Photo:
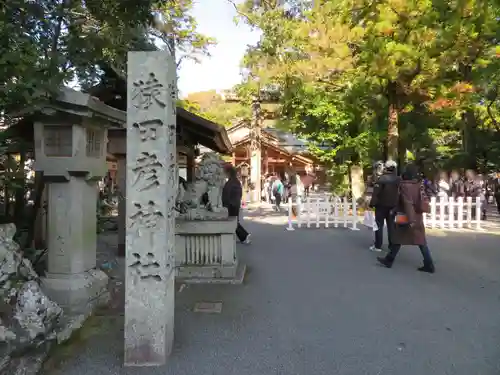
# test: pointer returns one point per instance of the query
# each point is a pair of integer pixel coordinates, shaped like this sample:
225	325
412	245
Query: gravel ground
314	302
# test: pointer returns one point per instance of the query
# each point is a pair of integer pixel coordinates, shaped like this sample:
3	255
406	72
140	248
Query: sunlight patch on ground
273	220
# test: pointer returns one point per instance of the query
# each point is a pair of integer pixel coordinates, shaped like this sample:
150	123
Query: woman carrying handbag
409	220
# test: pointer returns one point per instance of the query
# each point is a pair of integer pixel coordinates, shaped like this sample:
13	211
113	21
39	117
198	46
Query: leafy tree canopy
45	44
357	74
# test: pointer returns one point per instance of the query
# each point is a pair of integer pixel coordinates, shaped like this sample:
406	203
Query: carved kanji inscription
146	171
147	92
146	216
147	129
146	267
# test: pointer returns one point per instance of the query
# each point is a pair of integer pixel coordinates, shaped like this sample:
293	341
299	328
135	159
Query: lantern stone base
206	252
77	293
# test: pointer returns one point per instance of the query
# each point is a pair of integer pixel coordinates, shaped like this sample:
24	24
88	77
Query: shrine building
281	152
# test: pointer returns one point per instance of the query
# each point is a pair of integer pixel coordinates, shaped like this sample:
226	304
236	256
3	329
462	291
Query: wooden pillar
266	162
190	167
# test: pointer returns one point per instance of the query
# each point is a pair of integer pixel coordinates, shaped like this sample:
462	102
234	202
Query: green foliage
176	24
45	44
354	75
338	178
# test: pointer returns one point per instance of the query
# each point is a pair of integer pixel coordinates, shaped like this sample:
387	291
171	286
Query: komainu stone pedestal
206	251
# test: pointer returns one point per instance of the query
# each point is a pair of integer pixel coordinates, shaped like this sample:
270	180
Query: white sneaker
247	240
374	249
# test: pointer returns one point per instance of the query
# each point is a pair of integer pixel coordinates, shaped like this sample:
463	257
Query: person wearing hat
384	200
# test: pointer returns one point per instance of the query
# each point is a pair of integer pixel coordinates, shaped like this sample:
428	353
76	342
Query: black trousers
424	249
383	214
277	196
241	233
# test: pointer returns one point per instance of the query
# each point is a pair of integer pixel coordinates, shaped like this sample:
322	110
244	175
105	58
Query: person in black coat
384	199
231	199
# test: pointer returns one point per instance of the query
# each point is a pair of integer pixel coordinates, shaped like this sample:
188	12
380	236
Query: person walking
409	228
291	191
384	199
443	185
231	199
457	185
472	189
278	190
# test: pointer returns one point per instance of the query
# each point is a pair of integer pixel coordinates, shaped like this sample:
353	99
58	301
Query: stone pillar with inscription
151	190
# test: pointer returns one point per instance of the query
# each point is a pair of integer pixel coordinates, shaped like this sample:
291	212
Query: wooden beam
266	162
186	150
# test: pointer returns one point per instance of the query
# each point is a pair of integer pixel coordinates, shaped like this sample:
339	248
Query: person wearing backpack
278	190
409	226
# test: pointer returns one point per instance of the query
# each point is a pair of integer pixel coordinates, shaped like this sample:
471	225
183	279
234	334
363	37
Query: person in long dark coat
231	199
409	203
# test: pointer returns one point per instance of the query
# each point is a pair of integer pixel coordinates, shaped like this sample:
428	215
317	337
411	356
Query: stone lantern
70	148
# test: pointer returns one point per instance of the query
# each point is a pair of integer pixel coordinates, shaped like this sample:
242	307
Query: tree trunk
469	139
357	182
393	123
469	121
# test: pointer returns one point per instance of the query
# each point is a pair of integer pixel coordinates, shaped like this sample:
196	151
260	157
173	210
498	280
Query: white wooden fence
327	211
454	214
332	211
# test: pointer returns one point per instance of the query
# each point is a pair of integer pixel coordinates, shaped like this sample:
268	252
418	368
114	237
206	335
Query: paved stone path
314	302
